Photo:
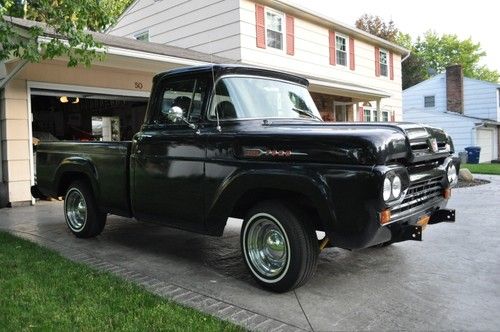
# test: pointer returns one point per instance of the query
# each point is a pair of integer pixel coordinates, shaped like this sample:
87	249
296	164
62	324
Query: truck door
167	161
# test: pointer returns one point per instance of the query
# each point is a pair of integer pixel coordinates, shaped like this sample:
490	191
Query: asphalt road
451	280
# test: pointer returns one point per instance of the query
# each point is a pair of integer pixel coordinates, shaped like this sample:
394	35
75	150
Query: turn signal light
385	216
447	193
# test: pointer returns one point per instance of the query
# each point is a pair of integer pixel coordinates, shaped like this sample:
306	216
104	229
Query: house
354	76
468	109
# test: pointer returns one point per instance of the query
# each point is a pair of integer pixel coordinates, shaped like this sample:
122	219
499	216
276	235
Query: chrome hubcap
267	247
76	209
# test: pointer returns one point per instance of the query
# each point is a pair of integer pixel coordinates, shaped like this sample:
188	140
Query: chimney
455	89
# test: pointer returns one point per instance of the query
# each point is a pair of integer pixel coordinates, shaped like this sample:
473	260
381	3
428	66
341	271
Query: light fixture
367	104
76	101
63	99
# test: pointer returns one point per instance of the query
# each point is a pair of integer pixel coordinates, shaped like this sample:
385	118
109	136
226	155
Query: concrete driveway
451	280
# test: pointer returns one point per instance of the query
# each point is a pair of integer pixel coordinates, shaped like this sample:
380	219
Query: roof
129	43
332	23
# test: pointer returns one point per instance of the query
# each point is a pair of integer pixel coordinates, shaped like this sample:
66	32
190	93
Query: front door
168	161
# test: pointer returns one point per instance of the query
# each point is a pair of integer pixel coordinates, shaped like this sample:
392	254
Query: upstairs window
341	50
144	36
429	101
383	63
274	29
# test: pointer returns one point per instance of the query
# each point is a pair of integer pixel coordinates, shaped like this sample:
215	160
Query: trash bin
463	157
473	153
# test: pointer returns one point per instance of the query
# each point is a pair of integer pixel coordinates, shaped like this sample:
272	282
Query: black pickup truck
232	141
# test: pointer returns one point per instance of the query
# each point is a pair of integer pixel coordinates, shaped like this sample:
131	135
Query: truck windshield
258	97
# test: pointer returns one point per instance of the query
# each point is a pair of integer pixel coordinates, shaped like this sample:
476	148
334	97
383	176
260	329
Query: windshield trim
212	94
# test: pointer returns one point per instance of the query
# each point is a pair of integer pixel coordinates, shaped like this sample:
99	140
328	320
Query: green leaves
70	22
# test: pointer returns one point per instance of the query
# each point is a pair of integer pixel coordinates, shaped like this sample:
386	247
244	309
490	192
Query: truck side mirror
175	114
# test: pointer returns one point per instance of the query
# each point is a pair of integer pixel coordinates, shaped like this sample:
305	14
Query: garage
485	138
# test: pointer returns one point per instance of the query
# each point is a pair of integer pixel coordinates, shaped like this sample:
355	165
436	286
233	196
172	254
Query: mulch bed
475	182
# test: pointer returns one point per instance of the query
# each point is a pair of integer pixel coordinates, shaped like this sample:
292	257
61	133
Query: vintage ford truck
224	141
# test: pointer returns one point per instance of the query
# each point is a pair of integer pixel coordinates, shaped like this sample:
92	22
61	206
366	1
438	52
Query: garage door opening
60	115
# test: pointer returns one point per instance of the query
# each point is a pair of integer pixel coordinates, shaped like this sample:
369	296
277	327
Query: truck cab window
187	94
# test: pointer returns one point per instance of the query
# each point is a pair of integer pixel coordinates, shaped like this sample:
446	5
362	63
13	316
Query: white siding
209	26
413	98
311	58
458	127
480	99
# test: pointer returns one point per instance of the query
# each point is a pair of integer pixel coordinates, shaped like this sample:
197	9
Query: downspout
406	57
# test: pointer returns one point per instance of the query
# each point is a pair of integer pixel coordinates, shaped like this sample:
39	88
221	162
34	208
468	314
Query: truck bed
106	165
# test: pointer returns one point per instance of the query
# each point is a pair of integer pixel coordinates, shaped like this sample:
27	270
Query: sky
478	20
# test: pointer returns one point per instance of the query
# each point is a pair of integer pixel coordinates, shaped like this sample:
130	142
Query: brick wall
455	89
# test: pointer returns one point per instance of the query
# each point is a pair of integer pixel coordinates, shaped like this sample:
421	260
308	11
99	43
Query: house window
341	50
385	116
429	101
383	63
144	36
274	29
368	115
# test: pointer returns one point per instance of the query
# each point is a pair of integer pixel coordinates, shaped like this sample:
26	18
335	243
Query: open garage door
83	116
485	141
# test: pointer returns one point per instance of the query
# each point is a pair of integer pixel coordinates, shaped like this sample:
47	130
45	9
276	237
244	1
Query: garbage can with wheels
473	153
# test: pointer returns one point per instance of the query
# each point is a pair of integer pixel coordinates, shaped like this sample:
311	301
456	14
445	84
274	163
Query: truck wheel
279	247
81	212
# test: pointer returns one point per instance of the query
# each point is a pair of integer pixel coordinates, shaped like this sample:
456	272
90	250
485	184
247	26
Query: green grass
483	168
41	290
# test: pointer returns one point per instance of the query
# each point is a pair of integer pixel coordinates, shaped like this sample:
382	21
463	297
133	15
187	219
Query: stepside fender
77	165
240	183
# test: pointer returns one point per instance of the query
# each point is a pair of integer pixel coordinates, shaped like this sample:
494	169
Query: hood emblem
433	145
256	152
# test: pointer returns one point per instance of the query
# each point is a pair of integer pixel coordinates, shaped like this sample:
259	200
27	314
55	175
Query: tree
376	26
71	22
438	52
432	53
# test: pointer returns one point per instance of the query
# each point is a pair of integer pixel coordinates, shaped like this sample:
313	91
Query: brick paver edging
204	303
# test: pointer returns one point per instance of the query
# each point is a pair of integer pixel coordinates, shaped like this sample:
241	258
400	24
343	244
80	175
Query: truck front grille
419	193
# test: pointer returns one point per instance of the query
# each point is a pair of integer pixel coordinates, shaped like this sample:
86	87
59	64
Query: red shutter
391	66
361	114
331	38
377	61
260	26
352	64
393	117
290	35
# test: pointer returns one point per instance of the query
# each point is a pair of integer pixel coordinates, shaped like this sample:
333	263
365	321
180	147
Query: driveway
451	280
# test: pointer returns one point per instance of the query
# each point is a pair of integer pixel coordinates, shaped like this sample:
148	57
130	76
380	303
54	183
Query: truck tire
279	246
81	212
4	201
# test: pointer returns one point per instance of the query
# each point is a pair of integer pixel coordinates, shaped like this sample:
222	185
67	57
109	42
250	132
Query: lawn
41	290
483	168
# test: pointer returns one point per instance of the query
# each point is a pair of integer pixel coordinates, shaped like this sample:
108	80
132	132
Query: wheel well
69	177
301	201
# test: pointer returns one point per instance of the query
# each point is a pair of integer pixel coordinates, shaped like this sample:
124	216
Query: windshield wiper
305	112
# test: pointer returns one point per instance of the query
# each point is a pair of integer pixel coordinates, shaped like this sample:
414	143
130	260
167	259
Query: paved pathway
451	280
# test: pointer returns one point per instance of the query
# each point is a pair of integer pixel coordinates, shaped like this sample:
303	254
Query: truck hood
342	143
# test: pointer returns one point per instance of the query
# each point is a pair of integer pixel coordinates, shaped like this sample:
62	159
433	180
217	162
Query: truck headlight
386	193
392	187
452	174
396	186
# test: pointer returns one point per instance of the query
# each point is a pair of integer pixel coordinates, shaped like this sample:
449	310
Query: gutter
13	73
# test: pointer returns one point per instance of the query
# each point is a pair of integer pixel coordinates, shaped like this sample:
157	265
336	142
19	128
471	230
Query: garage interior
61	115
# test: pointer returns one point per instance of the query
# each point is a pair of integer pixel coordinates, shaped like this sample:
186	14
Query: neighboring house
468	109
354	76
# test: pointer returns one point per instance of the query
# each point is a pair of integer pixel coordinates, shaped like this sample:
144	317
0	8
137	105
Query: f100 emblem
433	145
256	152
